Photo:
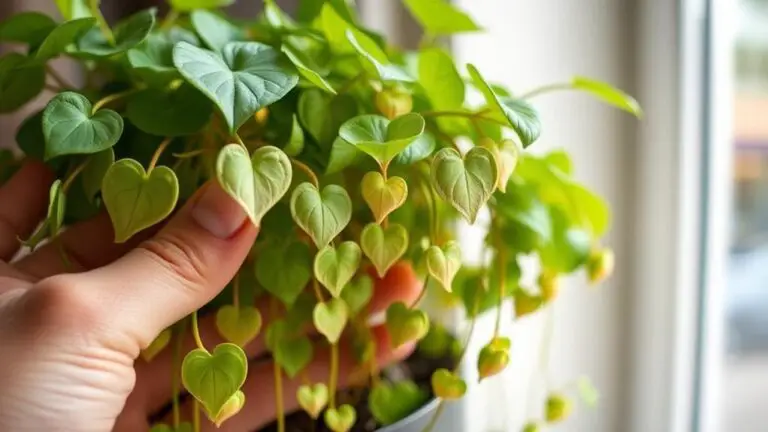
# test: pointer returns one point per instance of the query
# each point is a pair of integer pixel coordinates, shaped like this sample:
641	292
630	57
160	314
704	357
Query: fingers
259	388
24	201
152	390
177	271
88	245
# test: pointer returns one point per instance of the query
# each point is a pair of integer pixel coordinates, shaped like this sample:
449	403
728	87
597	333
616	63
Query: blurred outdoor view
745	383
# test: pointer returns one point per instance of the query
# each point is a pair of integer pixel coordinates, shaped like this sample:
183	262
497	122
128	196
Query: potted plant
357	159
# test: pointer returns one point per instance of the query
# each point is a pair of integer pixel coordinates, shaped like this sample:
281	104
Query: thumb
179	270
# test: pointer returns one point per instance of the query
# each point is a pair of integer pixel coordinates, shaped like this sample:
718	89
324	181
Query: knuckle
182	259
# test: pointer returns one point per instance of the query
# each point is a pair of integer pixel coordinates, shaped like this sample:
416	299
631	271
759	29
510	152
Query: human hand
70	337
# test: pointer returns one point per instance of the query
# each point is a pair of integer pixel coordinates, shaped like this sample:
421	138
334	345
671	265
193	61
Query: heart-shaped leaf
21	80
214	378
383	196
358	293
135	199
233	406
440	17
390	403
493	358
291	351
516	113
600	265
238	325
608	94
258	182
447	385
245	78
313	398
375	58
323	114
526	304
321	215
380	138
152	60
214	30
330	318
128	33
443	263
532	427
507	154
70	127
344	154
62	37
294	261
406	325
157	345
157	112
95	170
340	419
558	408
306	69
335	266
384	246
467	183
190	5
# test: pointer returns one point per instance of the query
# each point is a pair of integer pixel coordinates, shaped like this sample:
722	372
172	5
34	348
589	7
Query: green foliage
356	157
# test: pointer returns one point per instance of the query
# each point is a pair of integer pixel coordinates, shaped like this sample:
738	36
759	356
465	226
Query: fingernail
217	212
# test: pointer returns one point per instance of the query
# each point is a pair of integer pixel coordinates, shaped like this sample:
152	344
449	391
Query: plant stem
60	81
241	142
175	384
159	151
236	292
435	417
334	378
113	97
63	255
308	171
469	115
546	89
195	415
502	282
105	30
465	347
280	410
170	19
71	177
318	292
422	294
196	332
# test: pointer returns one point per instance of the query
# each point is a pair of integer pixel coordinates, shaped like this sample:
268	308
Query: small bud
261	116
531	427
493	359
558	408
549	284
393	102
526	304
600	265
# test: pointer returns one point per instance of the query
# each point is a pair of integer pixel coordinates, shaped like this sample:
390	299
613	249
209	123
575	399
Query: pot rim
419	414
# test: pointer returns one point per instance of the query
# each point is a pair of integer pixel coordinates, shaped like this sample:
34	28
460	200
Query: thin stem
196	332
546	89
236	292
435	417
334	378
318	292
308	171
279	398
60	81
63	255
71	177
502	282
195	415
113	97
465	347
170	19
159	151
422	294
105	30
469	115
175	381
190	154
240	141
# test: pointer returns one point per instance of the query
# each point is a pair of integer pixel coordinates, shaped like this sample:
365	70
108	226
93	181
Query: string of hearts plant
349	153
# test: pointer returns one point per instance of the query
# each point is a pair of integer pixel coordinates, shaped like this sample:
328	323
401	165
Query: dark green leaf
159	112
128	34
439	17
390	403
294	261
153	59
62	37
343	154
307	69
244	79
30	138
214	30
95	170
26	27
21	80
322	114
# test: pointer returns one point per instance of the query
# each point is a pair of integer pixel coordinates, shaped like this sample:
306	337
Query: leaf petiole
546	89
195	415
170	19
196	332
422	294
113	97
465	114
280	410
308	171
175	384
105	30
71	177
158	152
334	378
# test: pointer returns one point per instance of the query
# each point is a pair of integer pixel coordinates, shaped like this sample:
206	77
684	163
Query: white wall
527	44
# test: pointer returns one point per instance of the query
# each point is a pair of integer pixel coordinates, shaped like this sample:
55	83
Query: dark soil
417	368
